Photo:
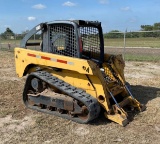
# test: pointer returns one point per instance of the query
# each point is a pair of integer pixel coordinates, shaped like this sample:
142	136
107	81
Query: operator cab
77	38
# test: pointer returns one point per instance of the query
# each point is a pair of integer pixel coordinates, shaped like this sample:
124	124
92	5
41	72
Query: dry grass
21	125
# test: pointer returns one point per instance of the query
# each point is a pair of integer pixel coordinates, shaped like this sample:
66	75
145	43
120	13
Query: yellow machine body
83	74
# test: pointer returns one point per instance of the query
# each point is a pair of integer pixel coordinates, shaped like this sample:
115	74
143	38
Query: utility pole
124	49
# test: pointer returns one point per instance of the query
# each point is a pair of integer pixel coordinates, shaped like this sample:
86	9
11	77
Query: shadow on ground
143	94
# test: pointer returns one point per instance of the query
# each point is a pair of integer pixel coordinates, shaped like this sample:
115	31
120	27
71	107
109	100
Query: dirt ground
24	126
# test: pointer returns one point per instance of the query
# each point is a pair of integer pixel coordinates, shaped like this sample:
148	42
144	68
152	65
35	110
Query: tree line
147	31
9	34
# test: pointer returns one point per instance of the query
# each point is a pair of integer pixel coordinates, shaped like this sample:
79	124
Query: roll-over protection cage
78	38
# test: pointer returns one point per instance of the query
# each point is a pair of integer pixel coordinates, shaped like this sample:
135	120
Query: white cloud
31	18
132	20
7	26
69	4
104	1
126	8
39	6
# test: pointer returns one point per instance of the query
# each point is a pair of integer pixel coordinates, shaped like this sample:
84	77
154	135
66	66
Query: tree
132	35
114	34
20	36
156	26
147	28
8	34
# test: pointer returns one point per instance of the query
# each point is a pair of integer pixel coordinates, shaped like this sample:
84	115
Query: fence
139	45
9	42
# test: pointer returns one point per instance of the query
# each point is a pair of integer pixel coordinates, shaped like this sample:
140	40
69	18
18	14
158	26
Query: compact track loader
70	76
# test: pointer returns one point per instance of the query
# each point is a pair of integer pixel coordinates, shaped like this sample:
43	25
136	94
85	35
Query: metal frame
33	31
97	25
64	23
45	27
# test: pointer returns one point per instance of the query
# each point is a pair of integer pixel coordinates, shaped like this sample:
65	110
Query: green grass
133	57
117	42
133	42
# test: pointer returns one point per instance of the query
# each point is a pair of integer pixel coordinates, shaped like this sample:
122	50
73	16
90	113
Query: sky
22	15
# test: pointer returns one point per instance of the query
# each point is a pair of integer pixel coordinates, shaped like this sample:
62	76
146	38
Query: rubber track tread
76	93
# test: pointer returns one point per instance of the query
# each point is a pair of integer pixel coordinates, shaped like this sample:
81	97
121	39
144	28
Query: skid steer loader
70	76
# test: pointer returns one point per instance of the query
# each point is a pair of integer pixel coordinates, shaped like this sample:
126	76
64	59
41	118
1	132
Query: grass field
145	57
134	42
117	42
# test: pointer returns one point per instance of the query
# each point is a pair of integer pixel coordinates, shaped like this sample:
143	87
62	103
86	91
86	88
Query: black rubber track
90	102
